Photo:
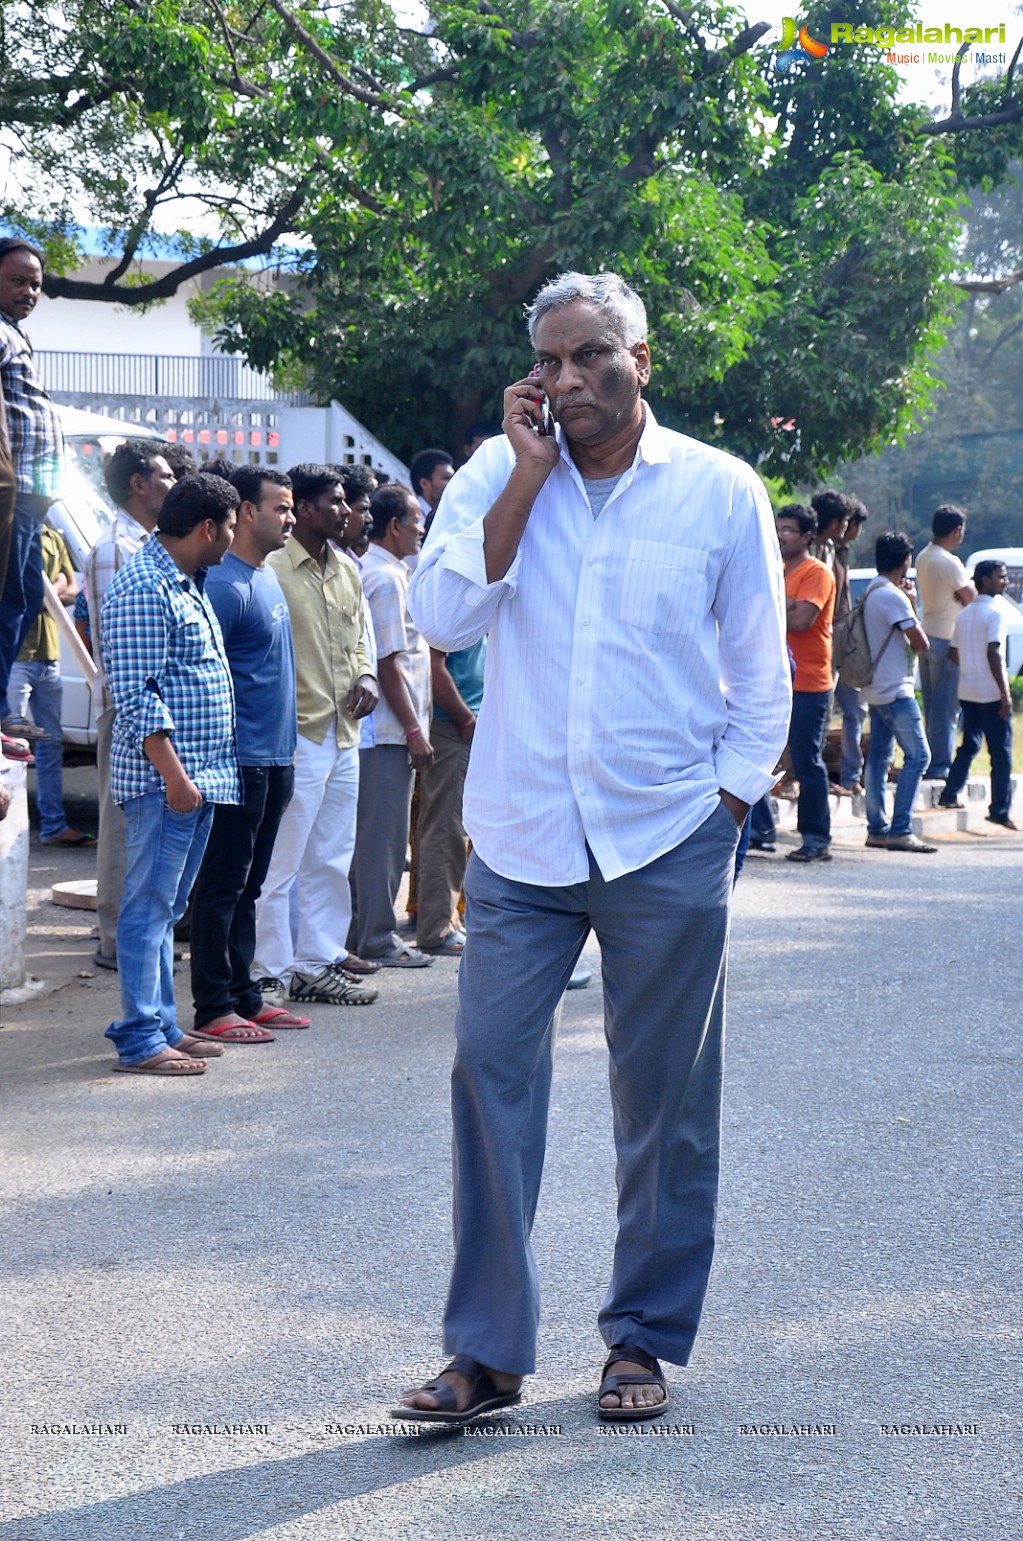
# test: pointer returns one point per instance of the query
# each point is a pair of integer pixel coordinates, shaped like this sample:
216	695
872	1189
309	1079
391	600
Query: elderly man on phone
637	698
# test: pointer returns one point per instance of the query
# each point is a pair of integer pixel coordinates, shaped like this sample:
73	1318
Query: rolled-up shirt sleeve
749	608
449	598
134	647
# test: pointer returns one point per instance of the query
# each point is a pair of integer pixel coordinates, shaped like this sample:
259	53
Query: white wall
92	326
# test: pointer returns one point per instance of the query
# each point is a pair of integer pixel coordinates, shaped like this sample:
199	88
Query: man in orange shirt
810	604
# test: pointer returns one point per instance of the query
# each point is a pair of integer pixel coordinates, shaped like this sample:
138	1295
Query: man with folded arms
336	688
402	745
253	616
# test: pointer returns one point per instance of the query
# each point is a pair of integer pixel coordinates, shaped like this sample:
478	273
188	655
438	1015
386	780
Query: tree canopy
792	233
970	448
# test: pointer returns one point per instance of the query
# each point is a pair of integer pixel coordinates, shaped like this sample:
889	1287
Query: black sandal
612	1385
484	1396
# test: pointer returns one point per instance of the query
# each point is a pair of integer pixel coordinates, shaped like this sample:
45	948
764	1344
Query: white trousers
314	847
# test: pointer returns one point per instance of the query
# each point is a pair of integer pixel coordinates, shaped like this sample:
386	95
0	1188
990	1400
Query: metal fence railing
200	376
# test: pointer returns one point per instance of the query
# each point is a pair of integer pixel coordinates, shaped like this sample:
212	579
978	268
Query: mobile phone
543	429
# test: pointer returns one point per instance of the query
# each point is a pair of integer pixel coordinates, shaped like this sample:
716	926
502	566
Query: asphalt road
227	1280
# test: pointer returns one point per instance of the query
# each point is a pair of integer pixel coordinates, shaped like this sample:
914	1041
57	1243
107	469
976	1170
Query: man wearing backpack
890	607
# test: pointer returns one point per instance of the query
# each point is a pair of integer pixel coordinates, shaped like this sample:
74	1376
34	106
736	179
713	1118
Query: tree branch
956	123
685	19
746	40
450	72
323	58
955	111
58	288
1012	70
967	125
990	285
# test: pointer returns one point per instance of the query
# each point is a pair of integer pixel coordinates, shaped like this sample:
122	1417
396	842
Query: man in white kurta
637	699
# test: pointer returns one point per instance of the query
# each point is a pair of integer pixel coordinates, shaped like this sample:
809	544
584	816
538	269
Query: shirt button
578	738
586	621
581	680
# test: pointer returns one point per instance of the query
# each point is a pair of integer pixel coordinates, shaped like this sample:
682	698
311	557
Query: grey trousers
381	840
663	933
110	855
440	841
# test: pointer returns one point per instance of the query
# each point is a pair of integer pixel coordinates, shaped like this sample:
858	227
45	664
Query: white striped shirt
636	662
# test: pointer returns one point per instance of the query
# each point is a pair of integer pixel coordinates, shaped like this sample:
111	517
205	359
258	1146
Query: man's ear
641	353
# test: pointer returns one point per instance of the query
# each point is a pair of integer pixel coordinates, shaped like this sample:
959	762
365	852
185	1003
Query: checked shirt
37	444
164	658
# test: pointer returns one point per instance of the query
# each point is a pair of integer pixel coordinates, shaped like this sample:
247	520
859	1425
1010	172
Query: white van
81	514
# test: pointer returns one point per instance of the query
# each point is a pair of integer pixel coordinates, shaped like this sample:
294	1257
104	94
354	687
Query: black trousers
225	893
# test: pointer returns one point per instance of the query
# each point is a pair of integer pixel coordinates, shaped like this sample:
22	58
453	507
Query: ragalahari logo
796	44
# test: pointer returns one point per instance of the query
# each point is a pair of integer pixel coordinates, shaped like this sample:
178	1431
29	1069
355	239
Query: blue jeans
163	851
807	728
939	685
35	691
854	715
762	826
981	721
897	722
22	596
663	933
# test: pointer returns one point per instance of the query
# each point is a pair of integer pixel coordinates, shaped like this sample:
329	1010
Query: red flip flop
233	1032
276	1016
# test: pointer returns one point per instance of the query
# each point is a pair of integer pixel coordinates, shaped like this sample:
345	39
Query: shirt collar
297	555
131	527
157	553
385	555
652	446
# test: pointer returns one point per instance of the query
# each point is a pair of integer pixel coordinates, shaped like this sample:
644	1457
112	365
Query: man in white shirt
401	745
977	649
637	699
944	589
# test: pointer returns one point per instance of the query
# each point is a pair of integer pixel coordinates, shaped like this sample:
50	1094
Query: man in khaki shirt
944	588
335	686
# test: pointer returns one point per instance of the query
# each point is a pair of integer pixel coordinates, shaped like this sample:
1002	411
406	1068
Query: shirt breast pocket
664	587
189	636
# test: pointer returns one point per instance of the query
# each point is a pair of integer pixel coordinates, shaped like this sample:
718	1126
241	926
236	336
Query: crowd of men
266	709
945	621
270	703
278	662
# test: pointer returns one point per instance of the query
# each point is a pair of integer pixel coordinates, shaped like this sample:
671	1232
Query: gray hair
621	305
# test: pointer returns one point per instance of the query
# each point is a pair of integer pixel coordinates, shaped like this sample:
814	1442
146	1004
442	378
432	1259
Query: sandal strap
634	1355
475	1374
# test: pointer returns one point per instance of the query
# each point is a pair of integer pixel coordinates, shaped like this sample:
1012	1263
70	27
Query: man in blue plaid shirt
36	448
172	756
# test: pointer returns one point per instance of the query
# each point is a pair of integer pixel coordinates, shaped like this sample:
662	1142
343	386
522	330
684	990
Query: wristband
411	732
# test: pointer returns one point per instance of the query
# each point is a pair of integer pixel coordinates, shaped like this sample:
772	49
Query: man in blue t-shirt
253	616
